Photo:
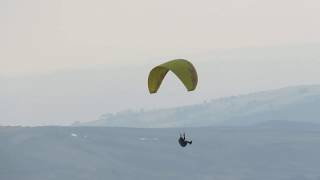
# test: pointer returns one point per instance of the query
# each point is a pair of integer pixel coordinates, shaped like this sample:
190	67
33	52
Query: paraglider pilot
182	140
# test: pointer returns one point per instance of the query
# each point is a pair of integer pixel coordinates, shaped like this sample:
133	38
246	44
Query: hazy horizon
64	61
63	97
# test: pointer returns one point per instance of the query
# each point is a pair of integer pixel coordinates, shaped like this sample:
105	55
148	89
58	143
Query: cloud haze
72	60
42	36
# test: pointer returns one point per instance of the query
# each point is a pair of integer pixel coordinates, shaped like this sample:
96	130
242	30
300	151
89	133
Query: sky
43	36
57	58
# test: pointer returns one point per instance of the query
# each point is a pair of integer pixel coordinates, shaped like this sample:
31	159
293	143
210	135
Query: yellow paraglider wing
183	69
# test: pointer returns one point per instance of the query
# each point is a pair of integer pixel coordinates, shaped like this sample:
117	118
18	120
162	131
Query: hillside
82	153
299	104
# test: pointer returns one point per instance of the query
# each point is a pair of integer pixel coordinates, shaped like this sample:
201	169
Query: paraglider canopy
182	68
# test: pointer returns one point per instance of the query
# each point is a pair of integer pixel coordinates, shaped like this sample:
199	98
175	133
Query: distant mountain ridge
50	99
296	104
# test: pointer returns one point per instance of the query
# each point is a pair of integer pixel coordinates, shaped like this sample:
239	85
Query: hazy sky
42	35
59	58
